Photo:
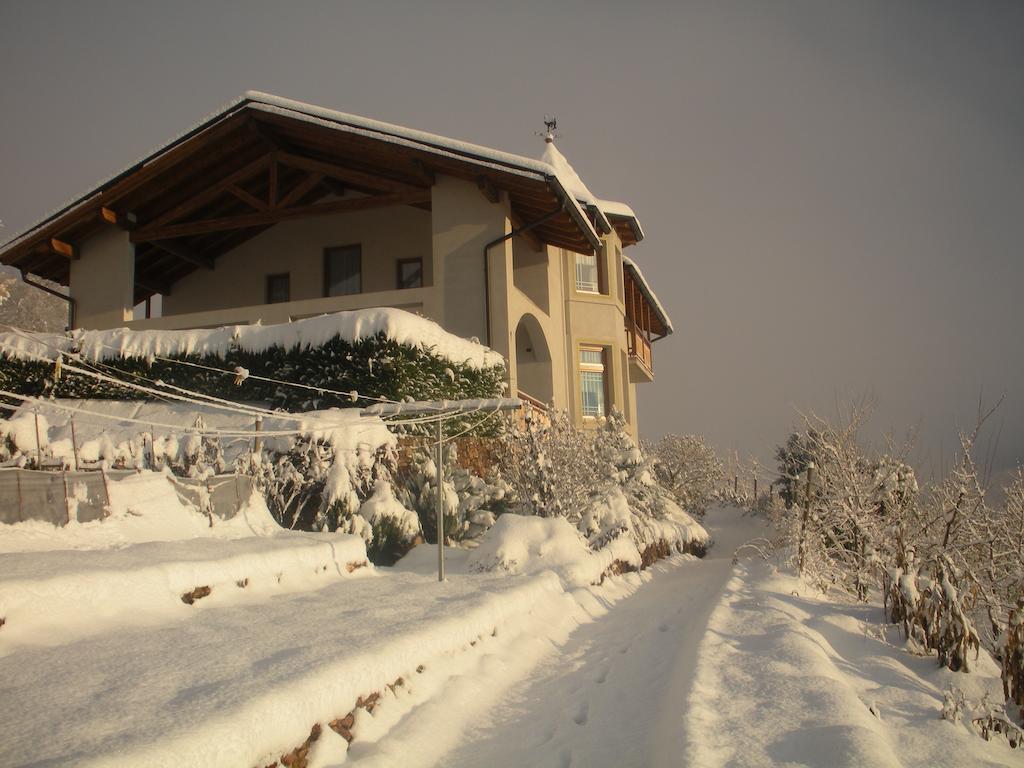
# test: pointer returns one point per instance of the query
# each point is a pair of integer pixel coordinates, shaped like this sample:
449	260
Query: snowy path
615	692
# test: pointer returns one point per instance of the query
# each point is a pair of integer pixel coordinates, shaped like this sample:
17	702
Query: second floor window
588	275
343	270
279	288
410	273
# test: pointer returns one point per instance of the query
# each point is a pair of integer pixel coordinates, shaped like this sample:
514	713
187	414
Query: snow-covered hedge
380	353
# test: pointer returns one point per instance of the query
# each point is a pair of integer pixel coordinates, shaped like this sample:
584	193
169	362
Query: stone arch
533	360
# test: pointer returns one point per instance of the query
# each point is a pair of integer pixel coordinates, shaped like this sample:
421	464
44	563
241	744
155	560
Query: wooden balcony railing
639	346
540	406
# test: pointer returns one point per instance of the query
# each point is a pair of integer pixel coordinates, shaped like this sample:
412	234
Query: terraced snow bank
786	676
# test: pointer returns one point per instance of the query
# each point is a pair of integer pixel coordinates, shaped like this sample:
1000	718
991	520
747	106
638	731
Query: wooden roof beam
65	249
245	197
184	253
424	172
350	175
211	193
262	218
487	189
123	220
153	284
300	190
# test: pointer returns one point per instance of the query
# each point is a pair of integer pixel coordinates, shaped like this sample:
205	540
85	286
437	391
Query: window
592	382
588	275
343	270
410	273
279	288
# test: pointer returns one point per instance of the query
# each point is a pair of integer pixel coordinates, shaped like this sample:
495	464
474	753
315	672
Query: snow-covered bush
471	503
393	528
599	480
947	562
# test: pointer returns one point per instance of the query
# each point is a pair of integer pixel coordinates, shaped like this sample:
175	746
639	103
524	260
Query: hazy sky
833	193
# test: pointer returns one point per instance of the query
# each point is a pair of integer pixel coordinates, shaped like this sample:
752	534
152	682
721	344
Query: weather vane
551	123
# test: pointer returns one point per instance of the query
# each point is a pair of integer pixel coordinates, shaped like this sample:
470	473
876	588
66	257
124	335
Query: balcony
409	299
641	362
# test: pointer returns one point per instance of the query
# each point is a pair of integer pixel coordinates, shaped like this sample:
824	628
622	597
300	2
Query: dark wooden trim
424	172
184	253
251	200
487	188
350	175
208	195
260	218
154	284
296	193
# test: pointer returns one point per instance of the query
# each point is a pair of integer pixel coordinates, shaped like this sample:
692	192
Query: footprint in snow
582	712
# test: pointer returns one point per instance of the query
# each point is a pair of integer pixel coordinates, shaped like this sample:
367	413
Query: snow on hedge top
398	325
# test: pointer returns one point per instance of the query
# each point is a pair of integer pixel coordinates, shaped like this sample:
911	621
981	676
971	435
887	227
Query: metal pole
74	443
439	509
39	449
257	441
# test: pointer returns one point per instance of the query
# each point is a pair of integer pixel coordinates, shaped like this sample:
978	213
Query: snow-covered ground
691	662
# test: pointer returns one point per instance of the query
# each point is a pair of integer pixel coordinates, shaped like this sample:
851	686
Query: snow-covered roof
648	292
559	175
615	209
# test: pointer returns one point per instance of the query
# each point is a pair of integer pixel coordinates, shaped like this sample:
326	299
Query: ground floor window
593	382
279	288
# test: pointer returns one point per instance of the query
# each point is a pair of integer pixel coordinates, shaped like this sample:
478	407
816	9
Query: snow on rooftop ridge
396	324
649	292
567	174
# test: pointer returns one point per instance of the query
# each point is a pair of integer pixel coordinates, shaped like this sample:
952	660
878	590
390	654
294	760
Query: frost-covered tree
25	306
688	467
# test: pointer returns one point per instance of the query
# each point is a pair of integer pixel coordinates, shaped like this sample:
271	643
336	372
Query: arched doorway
533	360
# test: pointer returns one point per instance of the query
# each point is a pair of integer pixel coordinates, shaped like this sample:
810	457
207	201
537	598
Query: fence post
21	499
439	510
152	448
755	488
209	501
106	488
736	485
802	548
67	504
257	441
39	448
74	443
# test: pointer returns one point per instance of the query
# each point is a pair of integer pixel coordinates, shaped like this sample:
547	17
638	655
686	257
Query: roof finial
551	123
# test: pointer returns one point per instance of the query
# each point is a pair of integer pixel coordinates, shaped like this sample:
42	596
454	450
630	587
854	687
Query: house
272	210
